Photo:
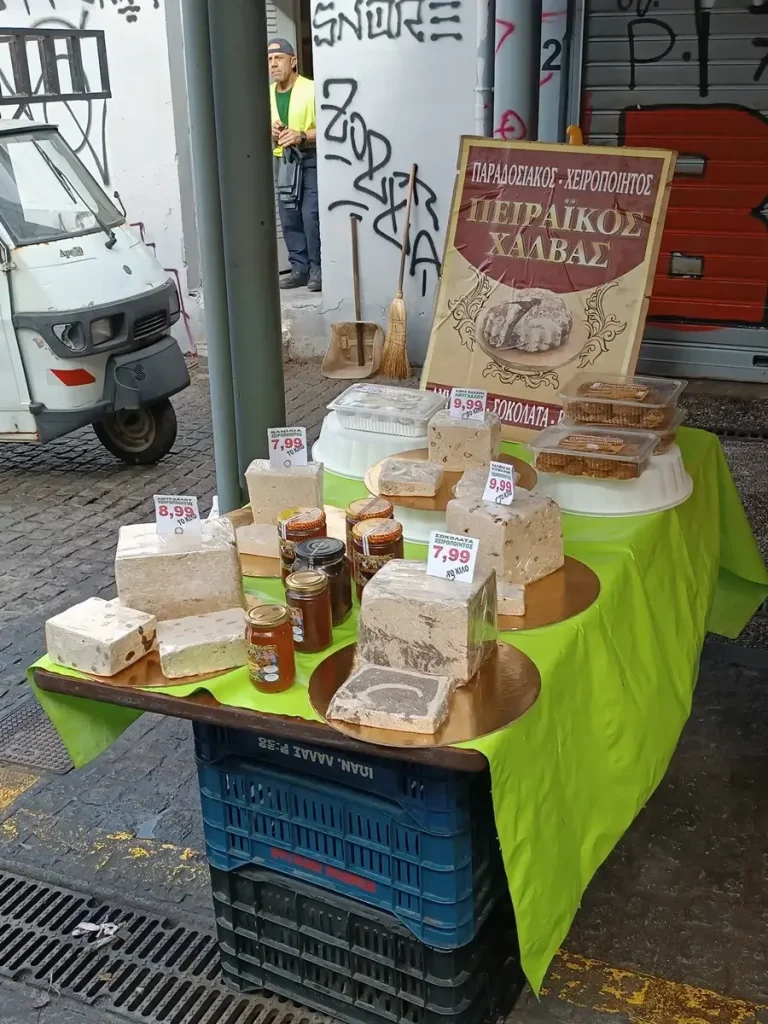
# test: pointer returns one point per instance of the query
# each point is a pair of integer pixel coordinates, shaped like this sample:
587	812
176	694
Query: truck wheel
139	436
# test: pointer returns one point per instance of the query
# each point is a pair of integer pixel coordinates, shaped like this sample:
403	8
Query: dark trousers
301	227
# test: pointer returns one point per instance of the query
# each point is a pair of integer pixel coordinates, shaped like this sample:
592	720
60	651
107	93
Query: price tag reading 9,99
468	404
287	447
177	513
452	556
500	485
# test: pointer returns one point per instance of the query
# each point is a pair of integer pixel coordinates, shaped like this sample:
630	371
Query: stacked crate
369	889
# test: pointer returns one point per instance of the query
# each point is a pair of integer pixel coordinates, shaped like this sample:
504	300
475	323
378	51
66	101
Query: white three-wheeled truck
85	308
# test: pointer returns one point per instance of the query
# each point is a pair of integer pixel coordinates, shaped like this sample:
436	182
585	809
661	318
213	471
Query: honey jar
293	526
269	648
308	595
328	555
374	543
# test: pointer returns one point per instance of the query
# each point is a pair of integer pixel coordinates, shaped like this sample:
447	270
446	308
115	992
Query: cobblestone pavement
682	898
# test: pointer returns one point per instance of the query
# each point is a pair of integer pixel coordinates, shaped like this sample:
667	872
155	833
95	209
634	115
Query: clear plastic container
666	436
382	409
597	452
645	403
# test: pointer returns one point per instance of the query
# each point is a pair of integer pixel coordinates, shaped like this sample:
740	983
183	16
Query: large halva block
457	444
272	490
388	698
199	644
99	637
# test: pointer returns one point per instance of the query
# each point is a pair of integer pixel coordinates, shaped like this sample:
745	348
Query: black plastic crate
353	962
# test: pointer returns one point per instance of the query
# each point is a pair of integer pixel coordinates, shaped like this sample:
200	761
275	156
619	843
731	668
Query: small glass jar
374	542
366	508
269	647
293	526
309	601
327	554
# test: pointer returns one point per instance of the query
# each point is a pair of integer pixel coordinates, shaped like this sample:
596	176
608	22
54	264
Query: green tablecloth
617	682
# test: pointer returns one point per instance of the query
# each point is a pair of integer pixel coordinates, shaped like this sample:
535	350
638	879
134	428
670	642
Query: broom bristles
394	358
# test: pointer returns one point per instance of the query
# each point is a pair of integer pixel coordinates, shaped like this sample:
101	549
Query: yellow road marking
641	998
12	784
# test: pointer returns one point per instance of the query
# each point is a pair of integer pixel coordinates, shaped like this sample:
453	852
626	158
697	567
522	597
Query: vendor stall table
617	682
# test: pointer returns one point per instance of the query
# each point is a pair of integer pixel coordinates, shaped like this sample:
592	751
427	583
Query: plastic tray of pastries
597	452
384	409
666	435
645	403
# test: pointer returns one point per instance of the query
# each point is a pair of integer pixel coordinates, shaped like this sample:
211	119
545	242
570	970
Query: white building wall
128	141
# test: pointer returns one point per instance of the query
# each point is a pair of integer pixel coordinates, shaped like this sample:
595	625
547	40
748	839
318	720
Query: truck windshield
46	195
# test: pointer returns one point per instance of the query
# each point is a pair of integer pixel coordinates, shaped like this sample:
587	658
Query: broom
394	358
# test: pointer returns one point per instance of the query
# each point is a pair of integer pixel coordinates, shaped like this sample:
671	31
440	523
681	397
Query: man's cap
281	46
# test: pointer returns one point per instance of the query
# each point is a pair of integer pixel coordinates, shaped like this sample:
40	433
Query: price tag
287	447
467	404
177	513
500	485
452	556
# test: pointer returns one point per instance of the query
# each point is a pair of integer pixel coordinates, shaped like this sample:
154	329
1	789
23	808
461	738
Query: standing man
293	124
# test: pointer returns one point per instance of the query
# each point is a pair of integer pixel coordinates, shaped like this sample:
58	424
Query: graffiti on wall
129	11
335	21
377	189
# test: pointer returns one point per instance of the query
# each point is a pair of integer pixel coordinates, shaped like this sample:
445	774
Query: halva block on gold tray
258	539
457	444
198	644
407	477
409	620
523	541
172	576
100	637
388	698
510	597
272	490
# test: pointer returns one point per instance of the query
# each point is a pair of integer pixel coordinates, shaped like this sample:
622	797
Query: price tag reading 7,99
452	556
500	485
177	513
467	404
287	447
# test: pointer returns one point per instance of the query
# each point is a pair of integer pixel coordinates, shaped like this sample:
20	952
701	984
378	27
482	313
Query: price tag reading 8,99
500	485
452	556
287	447
177	513
468	404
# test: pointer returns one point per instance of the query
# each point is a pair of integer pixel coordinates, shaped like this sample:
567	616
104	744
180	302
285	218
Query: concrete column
516	88
553	91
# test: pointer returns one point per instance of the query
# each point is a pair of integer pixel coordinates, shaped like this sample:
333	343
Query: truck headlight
72	336
102	330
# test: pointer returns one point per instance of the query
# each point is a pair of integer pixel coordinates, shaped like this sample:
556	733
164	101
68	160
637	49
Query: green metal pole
238	31
197	59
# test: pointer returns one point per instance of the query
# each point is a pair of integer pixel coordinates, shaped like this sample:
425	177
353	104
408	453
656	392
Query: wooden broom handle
404	253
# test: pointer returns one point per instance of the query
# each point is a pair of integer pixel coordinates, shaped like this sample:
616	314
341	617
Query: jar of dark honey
374	542
293	526
328	555
269	648
308	595
366	508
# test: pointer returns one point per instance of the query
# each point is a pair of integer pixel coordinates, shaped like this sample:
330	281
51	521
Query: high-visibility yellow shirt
301	112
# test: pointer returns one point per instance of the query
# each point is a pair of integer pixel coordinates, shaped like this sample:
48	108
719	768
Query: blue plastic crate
440	887
439	800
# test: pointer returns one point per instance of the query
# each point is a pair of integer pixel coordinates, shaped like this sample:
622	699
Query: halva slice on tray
457	444
172	576
271	490
259	540
198	644
100	637
409	620
407	477
510	597
523	541
388	698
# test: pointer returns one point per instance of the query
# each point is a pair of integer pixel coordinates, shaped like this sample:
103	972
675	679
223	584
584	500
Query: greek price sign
177	513
452	556
287	447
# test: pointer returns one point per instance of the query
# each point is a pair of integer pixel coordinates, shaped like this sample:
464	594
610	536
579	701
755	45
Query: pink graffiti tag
509	28
511	127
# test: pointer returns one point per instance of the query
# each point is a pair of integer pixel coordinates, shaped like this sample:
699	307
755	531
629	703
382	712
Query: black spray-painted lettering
333	22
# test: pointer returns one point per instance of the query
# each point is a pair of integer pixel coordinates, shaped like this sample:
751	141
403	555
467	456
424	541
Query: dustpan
355	348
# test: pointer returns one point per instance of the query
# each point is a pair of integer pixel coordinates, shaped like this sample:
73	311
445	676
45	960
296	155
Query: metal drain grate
152	970
758	434
27	737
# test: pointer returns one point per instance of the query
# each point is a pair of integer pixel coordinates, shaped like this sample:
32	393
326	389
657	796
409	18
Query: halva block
259	539
409	620
101	637
457	444
172	576
510	597
388	698
271	490
523	541
197	644
408	477
473	481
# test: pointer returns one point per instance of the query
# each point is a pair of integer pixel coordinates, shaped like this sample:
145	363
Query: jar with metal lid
309	601
374	542
269	648
327	554
366	508
293	526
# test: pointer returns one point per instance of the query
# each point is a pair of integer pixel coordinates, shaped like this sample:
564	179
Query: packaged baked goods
666	435
389	698
409	620
409	477
457	444
645	403
597	452
383	409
